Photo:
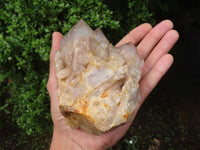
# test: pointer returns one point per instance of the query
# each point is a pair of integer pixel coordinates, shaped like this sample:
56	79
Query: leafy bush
25	40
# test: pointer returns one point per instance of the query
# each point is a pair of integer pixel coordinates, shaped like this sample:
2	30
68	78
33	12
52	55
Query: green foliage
129	13
25	40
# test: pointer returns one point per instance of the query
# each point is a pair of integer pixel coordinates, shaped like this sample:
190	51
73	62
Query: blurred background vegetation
169	119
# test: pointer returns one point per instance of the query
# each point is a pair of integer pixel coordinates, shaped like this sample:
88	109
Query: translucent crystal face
97	83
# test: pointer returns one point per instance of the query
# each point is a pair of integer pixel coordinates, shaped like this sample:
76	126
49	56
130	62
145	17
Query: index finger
136	35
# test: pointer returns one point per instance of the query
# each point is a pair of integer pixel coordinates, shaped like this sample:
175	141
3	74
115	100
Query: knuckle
48	85
51	56
154	35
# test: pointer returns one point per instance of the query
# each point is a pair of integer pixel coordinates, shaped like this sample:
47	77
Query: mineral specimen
97	83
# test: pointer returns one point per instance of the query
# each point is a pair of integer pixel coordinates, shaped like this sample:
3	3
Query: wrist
62	141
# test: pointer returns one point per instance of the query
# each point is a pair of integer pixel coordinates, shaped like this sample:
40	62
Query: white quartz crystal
97	82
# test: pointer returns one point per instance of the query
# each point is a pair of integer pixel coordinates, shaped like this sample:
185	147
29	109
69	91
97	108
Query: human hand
153	45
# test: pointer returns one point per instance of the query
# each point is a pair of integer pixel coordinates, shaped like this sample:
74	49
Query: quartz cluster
97	82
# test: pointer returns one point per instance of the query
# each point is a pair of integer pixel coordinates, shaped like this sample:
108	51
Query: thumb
56	42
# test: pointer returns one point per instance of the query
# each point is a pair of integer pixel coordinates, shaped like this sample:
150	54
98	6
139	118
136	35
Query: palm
153	45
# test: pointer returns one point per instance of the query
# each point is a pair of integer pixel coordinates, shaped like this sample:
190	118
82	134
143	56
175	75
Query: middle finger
153	37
